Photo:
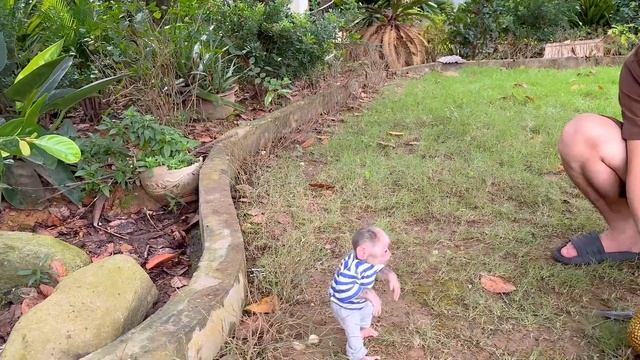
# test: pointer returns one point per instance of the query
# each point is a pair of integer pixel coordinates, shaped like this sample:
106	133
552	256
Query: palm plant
388	24
594	13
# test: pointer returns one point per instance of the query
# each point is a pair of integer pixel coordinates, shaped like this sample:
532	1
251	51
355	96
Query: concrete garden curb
195	323
558	63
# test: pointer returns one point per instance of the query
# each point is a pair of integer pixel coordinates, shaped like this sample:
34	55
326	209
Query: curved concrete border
557	63
195	323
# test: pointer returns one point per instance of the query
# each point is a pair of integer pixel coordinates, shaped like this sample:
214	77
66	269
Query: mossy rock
27	251
88	309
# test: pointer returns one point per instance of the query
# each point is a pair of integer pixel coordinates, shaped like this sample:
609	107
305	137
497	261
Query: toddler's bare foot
368	332
371	358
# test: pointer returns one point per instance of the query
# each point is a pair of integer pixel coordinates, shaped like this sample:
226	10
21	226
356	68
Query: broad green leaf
54	78
59	93
34	112
74	97
29	85
41	157
24	148
10	146
61	176
60	147
18	126
43	57
218	100
68	129
3	51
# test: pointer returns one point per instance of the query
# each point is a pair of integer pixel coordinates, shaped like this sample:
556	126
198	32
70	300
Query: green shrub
490	28
131	144
626	12
270	37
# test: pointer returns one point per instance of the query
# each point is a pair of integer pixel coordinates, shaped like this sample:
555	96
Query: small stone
313	339
298	346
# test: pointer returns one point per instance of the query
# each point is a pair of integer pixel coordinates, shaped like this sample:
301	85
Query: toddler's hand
375	302
394	285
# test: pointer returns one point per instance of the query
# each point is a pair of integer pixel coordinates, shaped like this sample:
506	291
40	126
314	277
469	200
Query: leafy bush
134	143
622	38
627	12
27	148
271	38
489	28
436	35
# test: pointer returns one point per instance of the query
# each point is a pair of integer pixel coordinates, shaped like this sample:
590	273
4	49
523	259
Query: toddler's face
379	252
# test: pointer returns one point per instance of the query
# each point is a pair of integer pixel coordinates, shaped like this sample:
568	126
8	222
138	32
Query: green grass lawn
481	192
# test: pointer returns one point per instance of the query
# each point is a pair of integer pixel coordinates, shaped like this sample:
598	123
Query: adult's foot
611	243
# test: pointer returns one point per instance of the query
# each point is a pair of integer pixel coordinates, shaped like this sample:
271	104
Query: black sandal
590	251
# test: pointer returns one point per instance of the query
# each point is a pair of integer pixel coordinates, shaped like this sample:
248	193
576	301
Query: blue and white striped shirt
351	278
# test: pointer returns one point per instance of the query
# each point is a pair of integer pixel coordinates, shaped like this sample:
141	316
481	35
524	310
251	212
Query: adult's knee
583	134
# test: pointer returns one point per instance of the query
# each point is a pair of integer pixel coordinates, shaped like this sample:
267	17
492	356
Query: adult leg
594	156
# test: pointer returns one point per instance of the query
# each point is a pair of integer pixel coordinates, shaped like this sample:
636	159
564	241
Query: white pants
352	322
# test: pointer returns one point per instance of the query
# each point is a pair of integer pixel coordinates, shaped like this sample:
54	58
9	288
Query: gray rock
88	309
27	251
451	59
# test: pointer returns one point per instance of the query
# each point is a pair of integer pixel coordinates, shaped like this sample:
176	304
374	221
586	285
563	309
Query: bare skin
597	159
368	332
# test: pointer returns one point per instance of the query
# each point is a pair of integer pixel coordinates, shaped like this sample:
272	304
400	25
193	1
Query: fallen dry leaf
252	327
322	186
53	220
413	143
520	84
244	188
254	212
61	211
58	269
496	284
159	259
258	219
106	252
310	141
395	133
8	318
284	219
383	143
179	281
29	302
125	248
267	304
46	290
204	138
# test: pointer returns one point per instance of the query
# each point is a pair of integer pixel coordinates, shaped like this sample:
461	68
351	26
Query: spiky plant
388	24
